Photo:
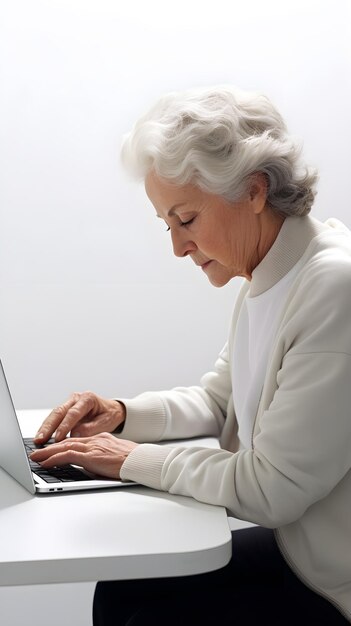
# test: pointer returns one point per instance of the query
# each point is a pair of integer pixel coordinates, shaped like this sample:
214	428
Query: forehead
165	194
160	190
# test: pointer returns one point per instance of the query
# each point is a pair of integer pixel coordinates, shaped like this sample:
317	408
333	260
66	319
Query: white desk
133	532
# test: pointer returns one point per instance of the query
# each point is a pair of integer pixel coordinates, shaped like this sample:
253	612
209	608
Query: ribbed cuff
144	465
145	418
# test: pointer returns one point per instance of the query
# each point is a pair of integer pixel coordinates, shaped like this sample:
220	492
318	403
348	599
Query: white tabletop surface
132	532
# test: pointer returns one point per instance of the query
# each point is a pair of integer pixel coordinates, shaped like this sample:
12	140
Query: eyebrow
173	208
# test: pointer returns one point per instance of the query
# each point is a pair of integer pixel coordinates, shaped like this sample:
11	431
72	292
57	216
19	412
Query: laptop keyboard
63	474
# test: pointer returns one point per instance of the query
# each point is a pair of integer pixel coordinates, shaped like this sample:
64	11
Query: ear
258	191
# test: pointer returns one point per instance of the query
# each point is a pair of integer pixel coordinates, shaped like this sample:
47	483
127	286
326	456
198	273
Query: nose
182	245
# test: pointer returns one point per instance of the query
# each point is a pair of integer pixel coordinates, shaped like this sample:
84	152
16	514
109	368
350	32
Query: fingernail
39	436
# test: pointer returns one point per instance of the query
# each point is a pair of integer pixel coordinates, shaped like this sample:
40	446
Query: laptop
14	457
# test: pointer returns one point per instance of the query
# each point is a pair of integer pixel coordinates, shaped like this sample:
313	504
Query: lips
200	263
205	265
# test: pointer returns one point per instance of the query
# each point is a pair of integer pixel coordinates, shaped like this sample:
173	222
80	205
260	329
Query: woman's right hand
83	415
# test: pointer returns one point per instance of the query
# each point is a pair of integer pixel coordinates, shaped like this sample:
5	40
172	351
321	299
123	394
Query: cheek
214	238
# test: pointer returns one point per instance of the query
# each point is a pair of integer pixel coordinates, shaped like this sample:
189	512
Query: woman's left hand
101	454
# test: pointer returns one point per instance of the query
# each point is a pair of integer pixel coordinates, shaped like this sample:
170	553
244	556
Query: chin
217	281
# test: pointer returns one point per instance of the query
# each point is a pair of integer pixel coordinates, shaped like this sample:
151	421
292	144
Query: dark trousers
256	587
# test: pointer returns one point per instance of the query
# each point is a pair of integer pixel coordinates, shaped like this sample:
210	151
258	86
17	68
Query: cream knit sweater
296	477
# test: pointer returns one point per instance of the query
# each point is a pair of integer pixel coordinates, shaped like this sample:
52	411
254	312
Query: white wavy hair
217	138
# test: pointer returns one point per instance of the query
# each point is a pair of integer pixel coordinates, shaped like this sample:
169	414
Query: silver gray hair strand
217	139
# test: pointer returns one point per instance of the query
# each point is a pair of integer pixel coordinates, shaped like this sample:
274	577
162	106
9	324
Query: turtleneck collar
293	238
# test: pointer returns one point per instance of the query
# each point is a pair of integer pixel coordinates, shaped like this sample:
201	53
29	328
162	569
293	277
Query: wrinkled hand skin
101	454
83	415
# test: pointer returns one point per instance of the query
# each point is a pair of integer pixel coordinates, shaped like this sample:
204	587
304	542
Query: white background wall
91	296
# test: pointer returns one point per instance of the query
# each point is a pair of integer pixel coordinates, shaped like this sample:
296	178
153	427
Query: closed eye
182	223
188	222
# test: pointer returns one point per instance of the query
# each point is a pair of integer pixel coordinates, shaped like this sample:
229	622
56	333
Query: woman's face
225	239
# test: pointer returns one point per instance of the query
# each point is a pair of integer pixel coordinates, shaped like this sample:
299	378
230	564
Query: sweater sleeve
297	459
182	412
301	445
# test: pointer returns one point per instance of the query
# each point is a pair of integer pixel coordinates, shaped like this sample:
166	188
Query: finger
74	415
43	454
73	457
105	416
53	420
88	427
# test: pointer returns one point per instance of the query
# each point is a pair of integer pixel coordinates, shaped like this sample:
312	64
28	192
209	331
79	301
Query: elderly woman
228	181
